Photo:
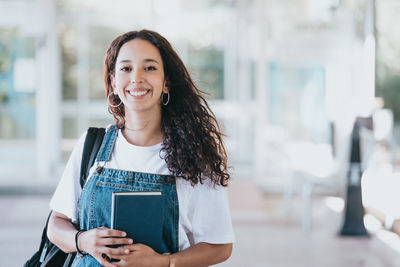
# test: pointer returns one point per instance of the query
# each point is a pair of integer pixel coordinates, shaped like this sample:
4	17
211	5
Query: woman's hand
96	242
140	256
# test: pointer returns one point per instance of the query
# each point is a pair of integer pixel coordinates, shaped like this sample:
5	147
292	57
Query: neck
142	129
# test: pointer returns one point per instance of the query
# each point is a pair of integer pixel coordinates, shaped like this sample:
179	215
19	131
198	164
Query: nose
136	76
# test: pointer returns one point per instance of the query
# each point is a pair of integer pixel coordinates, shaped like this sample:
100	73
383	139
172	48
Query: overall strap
108	144
93	140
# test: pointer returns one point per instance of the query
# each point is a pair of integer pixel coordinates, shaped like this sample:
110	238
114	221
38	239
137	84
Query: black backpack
49	255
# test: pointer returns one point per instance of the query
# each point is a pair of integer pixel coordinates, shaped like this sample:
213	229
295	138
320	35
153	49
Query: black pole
353	224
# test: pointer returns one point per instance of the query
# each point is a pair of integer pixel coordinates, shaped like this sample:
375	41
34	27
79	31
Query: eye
124	69
150	68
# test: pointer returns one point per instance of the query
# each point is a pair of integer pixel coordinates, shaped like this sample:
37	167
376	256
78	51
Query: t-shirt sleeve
211	217
65	198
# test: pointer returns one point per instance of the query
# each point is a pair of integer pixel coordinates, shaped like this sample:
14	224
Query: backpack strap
93	141
48	254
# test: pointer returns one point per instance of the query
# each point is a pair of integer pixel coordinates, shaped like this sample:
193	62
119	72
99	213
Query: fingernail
130	241
123	234
127	251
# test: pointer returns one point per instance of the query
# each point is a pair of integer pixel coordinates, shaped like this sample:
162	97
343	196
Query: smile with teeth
138	92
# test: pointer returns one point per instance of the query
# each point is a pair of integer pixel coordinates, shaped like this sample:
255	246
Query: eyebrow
145	60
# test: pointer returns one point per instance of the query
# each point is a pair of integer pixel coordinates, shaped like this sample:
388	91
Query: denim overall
95	201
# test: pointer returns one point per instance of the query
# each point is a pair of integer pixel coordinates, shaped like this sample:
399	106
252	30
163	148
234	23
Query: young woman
165	138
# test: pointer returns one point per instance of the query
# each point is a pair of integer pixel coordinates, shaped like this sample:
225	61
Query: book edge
138	193
112	210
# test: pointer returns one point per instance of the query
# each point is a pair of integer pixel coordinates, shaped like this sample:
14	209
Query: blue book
140	215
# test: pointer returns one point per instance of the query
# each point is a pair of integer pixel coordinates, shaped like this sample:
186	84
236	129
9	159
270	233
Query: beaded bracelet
80	252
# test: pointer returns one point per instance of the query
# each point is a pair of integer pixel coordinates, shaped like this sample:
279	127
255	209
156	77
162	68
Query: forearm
61	232
203	254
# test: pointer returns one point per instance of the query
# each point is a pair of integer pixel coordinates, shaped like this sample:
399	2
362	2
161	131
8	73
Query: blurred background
307	92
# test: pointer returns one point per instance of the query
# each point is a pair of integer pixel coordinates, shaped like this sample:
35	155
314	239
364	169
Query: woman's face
139	77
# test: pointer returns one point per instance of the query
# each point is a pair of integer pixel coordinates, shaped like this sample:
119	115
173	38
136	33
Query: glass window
69	61
100	39
296	101
94	122
17	85
70	127
207	69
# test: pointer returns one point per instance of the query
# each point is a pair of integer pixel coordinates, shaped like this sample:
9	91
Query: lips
138	92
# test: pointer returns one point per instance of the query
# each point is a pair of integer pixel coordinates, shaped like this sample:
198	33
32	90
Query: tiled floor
265	236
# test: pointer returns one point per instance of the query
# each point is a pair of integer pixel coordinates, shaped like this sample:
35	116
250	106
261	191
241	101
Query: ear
166	86
112	79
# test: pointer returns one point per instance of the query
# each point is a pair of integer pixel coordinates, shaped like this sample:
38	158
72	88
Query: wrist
165	260
78	244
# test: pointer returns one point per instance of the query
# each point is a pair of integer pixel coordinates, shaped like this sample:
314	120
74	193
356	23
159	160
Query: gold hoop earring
162	98
113	106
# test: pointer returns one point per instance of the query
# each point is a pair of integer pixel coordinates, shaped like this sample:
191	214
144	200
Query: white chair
315	166
274	168
383	131
381	134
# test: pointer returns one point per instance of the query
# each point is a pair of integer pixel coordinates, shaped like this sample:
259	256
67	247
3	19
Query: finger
115	241
133	247
104	262
120	260
107	232
112	252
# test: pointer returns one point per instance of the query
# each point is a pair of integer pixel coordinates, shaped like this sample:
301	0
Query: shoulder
206	190
205	185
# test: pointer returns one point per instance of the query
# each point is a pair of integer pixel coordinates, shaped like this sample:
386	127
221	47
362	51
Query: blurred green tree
388	55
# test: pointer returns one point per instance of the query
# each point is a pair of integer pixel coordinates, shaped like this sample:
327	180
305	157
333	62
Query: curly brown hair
193	144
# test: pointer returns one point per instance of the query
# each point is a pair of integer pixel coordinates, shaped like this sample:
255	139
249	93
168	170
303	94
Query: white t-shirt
203	209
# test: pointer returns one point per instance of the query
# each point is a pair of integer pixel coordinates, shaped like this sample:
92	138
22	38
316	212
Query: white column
83	73
368	91
230	62
245	116
261	88
243	54
48	101
365	89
